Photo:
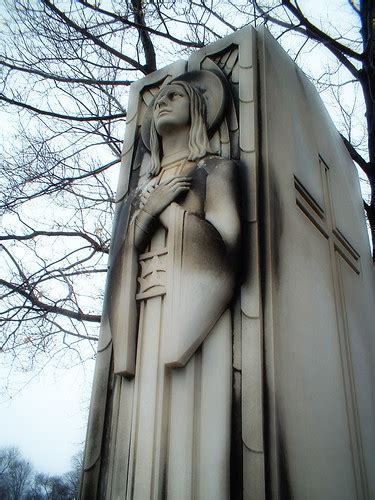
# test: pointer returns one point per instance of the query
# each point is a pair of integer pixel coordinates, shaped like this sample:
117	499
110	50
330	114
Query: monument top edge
183	65
159	74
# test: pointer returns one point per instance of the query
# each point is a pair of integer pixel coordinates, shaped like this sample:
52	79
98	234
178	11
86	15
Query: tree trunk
367	80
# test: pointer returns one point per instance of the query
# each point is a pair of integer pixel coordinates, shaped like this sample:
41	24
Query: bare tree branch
365	166
100	247
315	33
85	32
48	308
141	26
58	115
67	67
57	78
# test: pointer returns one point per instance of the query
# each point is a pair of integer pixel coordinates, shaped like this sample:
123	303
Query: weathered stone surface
316	331
241	332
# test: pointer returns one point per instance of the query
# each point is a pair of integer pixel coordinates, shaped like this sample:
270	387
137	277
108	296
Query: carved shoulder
223	200
216	165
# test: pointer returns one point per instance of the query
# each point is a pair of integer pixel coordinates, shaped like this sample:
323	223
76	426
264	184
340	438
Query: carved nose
162	101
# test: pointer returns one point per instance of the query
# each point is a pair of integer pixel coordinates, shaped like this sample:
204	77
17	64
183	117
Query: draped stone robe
170	430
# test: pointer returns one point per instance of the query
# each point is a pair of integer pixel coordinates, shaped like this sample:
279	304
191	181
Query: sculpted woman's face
171	109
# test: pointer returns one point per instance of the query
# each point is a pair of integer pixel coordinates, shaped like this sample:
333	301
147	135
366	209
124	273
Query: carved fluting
237	59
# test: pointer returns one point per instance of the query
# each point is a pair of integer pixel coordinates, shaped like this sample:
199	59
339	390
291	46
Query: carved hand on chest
157	197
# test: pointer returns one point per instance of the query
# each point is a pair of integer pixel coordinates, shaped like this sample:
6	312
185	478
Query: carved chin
167	124
164	127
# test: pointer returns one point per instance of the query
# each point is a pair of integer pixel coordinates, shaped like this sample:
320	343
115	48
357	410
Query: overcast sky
47	418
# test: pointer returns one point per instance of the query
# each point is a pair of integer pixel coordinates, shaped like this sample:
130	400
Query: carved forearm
145	224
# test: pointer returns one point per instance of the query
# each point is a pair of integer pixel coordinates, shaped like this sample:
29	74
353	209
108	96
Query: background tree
73	477
51	487
18	480
7	457
15	474
66	66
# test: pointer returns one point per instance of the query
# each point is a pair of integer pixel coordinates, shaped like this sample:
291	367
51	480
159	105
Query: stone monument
236	353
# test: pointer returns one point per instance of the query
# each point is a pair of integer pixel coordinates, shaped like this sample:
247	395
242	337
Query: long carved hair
198	140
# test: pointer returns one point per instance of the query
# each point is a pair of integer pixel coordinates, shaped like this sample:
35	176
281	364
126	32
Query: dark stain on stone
276	230
236	461
105	451
244	267
270	237
284	477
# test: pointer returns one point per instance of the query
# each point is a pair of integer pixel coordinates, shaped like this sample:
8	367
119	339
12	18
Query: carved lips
163	111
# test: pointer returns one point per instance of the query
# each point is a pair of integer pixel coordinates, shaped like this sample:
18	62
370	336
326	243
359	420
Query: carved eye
175	94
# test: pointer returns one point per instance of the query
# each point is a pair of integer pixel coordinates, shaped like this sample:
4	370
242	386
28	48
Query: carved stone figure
174	283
